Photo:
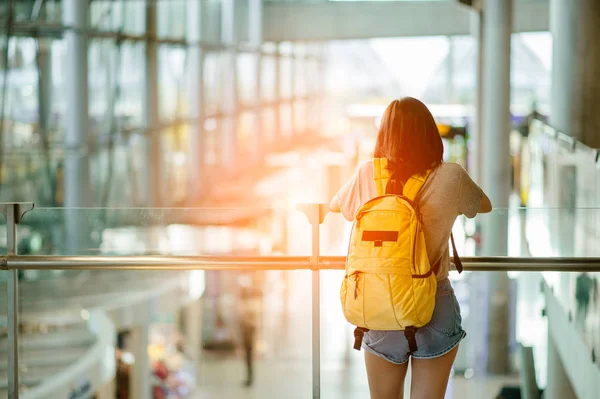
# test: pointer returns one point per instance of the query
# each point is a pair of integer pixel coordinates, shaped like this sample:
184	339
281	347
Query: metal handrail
165	262
501	263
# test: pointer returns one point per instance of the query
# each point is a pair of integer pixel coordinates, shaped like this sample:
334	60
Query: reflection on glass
247	134
268	76
212	134
246	78
300	122
212	83
285	118
286	83
253	324
269	127
171	18
173	80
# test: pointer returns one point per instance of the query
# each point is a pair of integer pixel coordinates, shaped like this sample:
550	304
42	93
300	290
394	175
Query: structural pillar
497	31
558	385
475	131
45	86
450	72
321	102
76	163
277	108
141	384
193	329
255	34
281	97
496	101
293	89
313	86
306	95
195	25
230	100
153	160
575	88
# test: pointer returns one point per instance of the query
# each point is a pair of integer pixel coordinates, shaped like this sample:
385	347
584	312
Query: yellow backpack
389	282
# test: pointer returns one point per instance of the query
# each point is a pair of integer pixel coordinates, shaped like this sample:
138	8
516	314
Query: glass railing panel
515	232
527	233
577	295
530	232
193	319
173	231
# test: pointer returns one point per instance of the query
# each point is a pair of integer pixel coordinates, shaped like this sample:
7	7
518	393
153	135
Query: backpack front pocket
352	297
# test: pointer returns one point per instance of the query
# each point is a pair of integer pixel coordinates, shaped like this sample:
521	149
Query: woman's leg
430	376
386	379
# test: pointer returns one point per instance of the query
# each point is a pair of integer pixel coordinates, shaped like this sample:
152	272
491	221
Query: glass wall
143	63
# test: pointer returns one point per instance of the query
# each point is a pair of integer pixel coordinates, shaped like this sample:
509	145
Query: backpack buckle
359	333
409	334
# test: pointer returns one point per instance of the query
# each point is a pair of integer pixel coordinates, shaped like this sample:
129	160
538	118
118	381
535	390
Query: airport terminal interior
165	165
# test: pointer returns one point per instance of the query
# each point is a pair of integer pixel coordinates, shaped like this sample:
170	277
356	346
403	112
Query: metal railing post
13	213
316	214
316	308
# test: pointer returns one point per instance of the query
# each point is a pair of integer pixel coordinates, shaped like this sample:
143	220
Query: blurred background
197	127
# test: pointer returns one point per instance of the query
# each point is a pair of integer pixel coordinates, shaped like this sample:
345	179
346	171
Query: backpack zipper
356	278
419	220
348	252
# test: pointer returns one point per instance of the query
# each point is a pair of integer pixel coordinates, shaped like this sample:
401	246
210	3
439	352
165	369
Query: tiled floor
222	378
283	368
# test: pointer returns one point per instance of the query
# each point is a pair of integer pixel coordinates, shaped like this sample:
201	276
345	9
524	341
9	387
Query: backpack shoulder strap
457	261
381	175
414	184
456	258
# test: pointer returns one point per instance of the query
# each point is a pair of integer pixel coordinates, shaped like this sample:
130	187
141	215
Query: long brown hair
409	138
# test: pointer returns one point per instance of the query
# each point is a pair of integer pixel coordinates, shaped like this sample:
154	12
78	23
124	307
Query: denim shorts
435	339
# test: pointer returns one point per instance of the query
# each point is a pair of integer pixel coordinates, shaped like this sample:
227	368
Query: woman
250	305
409	139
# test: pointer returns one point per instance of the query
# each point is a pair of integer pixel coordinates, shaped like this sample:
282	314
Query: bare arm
472	199
348	198
486	204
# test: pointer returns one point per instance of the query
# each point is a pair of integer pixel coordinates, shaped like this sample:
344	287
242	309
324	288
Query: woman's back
408	138
448	193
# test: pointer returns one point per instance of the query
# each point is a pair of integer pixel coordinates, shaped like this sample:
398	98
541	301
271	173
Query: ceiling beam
344	20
